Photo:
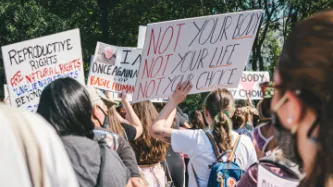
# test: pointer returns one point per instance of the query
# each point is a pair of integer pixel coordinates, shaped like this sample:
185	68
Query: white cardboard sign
249	85
31	65
141	36
268	179
6	98
114	68
115	96
211	51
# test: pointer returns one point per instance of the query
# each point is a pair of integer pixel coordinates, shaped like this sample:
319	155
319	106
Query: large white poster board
210	51
31	65
267	178
249	85
114	68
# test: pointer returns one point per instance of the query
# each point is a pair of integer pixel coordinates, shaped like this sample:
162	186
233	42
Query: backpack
224	173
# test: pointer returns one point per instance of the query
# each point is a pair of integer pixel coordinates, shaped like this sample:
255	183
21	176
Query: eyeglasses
268	89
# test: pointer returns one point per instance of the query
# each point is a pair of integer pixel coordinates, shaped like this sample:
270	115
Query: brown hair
220	105
148	150
306	63
264	109
195	122
114	124
239	119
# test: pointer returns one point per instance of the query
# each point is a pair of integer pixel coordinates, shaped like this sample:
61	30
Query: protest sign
6	98
249	85
5	90
31	65
114	68
115	96
141	36
209	51
268	179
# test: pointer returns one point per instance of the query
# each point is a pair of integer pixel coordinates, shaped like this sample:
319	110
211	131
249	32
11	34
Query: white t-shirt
197	146
57	169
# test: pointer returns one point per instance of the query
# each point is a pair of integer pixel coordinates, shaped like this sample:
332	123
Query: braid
221	131
220	104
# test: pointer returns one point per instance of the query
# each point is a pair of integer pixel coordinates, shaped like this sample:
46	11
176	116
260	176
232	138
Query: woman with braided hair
219	108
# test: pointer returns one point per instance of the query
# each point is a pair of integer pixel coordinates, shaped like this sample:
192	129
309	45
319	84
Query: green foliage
116	22
22	22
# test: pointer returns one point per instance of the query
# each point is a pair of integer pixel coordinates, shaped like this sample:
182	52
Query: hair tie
217	118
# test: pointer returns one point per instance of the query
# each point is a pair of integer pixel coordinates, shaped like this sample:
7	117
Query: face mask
261	140
106	119
285	139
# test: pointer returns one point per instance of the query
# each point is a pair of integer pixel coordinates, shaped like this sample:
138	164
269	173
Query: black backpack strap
100	176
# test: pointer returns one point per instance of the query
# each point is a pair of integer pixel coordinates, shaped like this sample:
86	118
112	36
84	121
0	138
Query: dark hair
238	120
306	64
65	104
220	104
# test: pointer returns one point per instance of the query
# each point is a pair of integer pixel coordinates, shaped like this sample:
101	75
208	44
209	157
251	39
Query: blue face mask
106	119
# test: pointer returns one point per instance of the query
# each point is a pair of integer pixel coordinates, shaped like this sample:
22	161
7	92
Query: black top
130	132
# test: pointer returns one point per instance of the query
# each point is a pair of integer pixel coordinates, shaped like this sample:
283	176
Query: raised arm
132	118
161	128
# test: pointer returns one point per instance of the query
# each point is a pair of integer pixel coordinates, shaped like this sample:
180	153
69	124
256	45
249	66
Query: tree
116	22
23	21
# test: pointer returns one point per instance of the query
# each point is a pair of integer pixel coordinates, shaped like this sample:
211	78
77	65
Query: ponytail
220	104
222	131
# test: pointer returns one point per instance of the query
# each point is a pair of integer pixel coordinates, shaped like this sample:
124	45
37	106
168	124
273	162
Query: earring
289	120
294	129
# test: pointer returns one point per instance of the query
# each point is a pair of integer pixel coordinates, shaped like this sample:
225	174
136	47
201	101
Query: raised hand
181	92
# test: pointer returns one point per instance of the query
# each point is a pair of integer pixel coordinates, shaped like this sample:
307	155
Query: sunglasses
268	90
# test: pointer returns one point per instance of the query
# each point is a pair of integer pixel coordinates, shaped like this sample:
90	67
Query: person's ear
208	118
206	113
294	109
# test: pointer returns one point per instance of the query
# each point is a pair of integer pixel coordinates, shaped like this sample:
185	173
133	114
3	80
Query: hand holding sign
181	92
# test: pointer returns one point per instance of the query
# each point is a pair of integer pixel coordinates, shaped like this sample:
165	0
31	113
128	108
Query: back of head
148	149
306	64
264	109
195	121
27	140
238	120
220	104
65	104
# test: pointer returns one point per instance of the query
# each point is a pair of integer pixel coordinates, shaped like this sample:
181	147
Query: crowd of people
81	137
